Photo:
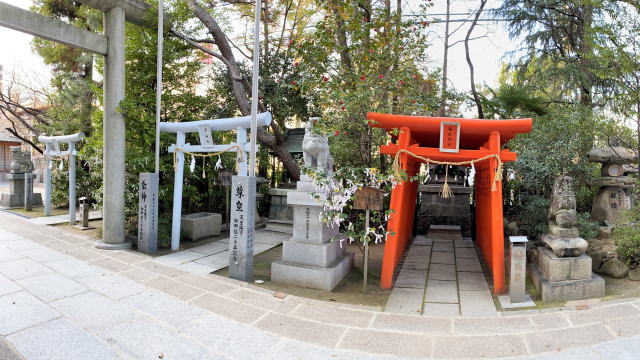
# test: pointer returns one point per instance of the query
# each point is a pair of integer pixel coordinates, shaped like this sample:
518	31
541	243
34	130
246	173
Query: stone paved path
61	298
441	276
211	257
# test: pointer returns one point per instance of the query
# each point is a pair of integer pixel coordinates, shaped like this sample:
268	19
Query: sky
487	53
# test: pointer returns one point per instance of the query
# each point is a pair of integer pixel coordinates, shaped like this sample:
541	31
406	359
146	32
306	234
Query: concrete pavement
61	298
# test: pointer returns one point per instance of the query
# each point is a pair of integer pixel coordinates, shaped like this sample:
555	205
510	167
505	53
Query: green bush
627	237
588	229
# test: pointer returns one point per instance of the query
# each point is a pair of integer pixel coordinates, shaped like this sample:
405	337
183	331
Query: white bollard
177	194
72	183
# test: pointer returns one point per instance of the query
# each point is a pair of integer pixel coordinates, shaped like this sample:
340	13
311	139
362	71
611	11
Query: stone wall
435	210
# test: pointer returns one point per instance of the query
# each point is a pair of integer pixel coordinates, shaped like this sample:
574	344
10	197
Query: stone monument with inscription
315	256
21	168
614	186
561	270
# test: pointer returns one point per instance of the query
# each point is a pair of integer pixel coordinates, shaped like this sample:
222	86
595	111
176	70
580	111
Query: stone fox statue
315	149
562	210
20	160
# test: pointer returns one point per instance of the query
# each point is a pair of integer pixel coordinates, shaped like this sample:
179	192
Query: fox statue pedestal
315	256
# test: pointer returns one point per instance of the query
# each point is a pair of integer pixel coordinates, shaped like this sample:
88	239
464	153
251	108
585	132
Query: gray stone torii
111	46
52	149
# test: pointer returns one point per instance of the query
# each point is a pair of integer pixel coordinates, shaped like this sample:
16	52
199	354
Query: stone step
281	228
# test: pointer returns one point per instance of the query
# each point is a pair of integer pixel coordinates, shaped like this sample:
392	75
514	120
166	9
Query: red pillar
496	219
403	202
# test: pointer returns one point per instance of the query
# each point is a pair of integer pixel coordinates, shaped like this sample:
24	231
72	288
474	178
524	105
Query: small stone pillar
28	191
315	256
84	214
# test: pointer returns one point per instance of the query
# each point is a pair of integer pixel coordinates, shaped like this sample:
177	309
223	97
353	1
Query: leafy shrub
588	229
627	237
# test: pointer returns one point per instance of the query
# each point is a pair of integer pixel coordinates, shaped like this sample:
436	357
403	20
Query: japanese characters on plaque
618	199
148	212
243	207
449	136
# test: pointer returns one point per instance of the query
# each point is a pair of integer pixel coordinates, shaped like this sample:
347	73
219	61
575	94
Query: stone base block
314	277
201	225
17	200
312	254
108	246
566	290
566	268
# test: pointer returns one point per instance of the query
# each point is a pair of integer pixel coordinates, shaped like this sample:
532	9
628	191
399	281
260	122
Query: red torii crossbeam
476	139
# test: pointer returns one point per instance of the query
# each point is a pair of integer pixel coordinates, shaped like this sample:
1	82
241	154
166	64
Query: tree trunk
273	142
471	71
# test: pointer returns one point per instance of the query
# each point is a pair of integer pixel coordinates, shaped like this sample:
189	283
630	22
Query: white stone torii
52	149
204	128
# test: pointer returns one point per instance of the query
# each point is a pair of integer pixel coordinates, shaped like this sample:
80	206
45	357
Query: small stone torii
204	128
52	149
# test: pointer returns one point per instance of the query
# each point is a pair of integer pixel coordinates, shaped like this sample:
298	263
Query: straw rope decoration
446	190
204	156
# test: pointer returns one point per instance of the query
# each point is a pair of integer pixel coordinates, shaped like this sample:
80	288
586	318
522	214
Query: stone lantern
614	186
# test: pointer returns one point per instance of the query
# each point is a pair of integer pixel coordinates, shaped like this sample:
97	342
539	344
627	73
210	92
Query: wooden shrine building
461	142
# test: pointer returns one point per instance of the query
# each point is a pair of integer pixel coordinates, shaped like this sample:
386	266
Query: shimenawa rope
446	190
239	158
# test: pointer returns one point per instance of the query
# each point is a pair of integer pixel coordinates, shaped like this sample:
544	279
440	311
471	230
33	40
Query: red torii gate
466	140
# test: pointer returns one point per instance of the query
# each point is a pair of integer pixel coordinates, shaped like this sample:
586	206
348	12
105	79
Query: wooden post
367	199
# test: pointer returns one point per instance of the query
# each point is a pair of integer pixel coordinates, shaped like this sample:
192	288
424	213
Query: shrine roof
473	132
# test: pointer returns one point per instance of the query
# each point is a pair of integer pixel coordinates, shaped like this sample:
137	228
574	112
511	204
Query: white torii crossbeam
204	129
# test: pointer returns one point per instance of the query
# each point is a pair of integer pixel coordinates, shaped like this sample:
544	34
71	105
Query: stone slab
94	312
476	303
441	309
165	308
302	330
422	240
7	286
563	268
22	310
311	276
51	286
405	301
442	257
472	281
383	342
411	279
60	339
442	272
22	268
211	248
472	265
505	302
566	290
441	291
229	337
145	339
